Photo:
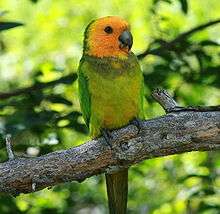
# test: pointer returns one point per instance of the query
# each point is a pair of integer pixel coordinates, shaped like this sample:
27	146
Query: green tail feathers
117	189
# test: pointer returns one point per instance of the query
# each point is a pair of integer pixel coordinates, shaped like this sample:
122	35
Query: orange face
108	37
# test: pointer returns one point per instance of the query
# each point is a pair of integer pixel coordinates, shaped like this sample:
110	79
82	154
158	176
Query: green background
49	46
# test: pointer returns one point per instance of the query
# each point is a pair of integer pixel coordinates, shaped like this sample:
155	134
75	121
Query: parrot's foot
137	122
108	138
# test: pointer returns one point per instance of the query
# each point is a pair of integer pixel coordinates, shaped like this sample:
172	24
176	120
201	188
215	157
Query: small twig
196	29
170	45
165	100
196	109
9	147
170	105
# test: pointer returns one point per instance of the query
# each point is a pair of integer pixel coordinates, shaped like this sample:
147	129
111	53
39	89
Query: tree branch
165	100
175	133
38	86
181	37
170	105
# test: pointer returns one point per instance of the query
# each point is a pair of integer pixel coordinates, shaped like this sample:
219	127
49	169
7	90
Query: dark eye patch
108	29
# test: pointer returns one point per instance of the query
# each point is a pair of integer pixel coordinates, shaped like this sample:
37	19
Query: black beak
126	40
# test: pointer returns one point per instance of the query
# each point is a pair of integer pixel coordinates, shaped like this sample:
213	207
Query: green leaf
205	177
184	6
209	43
34	1
9	25
58	99
203	206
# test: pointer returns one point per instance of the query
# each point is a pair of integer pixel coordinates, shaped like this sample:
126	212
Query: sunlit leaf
3	12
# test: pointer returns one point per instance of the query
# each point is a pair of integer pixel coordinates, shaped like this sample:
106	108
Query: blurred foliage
40	59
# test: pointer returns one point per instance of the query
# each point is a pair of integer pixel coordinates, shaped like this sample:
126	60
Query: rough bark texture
177	132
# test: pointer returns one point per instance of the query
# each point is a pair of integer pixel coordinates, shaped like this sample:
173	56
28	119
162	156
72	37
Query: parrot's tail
117	189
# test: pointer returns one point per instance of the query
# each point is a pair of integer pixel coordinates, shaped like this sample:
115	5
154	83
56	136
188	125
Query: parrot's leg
137	122
107	135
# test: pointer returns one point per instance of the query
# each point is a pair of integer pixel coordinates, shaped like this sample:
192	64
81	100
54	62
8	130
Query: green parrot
111	91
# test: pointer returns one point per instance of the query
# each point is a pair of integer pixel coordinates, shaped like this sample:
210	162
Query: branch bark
177	132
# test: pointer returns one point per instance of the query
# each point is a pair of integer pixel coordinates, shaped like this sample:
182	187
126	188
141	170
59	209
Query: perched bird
110	90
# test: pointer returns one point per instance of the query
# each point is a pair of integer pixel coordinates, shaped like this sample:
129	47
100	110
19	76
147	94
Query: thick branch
181	37
177	132
174	133
38	86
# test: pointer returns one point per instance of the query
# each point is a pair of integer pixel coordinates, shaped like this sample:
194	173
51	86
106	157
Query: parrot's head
108	37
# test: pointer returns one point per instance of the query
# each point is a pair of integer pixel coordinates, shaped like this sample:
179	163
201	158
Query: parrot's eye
108	29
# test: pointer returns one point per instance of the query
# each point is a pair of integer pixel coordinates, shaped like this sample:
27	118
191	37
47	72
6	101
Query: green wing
84	95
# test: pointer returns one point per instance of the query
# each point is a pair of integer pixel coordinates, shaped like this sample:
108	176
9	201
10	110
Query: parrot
111	91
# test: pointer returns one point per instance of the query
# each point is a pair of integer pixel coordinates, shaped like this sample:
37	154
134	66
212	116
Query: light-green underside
111	92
